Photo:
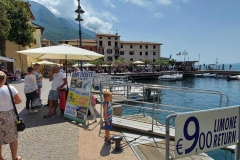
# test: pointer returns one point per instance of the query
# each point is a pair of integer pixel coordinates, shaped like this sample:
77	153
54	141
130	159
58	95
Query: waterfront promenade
55	138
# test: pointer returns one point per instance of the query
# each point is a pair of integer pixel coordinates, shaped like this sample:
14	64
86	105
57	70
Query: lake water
196	100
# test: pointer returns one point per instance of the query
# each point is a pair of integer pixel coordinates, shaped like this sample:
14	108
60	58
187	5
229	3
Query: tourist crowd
32	90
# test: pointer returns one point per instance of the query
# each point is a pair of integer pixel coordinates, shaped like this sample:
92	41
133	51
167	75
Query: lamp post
153	66
109	67
79	11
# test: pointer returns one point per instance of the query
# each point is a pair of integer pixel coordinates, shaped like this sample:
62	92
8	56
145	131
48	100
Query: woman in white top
8	119
30	89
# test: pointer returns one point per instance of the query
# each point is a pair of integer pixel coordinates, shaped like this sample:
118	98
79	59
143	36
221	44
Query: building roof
38	27
107	35
28	5
77	40
138	42
46	40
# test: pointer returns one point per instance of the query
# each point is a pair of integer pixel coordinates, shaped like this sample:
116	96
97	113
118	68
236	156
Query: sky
208	30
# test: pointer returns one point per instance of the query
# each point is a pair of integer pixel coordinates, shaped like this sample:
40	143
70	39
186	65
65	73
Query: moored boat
237	77
168	78
178	76
221	76
208	75
198	75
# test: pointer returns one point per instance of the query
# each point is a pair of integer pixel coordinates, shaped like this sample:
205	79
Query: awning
5	59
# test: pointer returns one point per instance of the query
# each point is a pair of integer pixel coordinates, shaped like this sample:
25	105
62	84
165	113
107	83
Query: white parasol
138	62
46	63
61	52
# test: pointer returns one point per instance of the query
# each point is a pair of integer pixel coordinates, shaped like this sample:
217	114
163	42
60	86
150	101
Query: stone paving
52	138
55	138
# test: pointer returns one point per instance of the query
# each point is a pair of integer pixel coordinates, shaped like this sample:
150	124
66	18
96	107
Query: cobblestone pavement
52	138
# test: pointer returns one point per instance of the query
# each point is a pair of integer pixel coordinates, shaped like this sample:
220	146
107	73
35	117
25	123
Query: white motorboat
198	75
237	77
179	76
168	77
221	76
208	75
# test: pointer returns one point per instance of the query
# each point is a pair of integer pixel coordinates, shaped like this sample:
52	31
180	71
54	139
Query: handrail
161	87
155	106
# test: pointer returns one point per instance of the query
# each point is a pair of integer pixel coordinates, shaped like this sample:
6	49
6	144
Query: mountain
57	29
75	25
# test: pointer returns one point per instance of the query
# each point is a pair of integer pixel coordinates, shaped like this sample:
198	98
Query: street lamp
153	66
79	11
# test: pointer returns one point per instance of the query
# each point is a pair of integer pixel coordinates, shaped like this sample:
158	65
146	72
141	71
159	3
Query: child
107	109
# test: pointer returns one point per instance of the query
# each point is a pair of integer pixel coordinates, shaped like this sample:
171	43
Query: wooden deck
156	151
153	148
143	124
146	147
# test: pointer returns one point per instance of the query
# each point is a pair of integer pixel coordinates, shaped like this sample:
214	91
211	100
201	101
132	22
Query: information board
78	99
207	130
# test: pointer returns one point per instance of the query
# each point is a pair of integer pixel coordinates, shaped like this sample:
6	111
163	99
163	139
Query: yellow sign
78	100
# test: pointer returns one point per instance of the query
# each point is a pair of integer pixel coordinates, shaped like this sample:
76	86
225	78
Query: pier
155	75
147	118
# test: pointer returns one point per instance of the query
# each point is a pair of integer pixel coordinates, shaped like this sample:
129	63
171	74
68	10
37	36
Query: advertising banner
203	131
78	99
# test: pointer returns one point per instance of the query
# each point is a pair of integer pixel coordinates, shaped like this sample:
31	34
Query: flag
178	54
170	57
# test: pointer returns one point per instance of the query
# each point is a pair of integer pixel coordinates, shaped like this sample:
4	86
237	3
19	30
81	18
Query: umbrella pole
66	69
81	65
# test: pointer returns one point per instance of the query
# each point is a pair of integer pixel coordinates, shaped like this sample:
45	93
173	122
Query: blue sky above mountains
209	28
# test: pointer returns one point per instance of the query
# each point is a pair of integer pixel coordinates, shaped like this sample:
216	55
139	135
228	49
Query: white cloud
54	11
108	3
108	16
164	2
95	24
100	21
142	3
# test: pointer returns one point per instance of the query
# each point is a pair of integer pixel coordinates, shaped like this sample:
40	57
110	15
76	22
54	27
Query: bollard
117	139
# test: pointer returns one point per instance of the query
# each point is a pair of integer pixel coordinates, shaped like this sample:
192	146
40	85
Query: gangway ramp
143	124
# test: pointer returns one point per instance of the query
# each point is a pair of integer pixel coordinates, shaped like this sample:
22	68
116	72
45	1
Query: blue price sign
207	130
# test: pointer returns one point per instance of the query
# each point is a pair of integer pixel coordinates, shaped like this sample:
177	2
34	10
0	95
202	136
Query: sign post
78	99
203	131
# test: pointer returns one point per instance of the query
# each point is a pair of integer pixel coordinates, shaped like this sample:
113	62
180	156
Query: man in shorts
59	80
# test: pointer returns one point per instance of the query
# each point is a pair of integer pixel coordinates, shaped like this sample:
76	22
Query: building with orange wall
88	44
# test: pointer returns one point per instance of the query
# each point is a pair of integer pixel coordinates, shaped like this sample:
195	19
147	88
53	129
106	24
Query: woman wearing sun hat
8	119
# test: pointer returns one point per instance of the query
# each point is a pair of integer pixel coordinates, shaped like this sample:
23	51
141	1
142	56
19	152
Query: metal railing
156	95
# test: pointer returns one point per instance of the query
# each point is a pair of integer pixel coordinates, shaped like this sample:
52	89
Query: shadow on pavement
105	151
36	119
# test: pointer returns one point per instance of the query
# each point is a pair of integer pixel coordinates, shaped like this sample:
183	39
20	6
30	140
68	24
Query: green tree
97	62
15	24
71	62
147	61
